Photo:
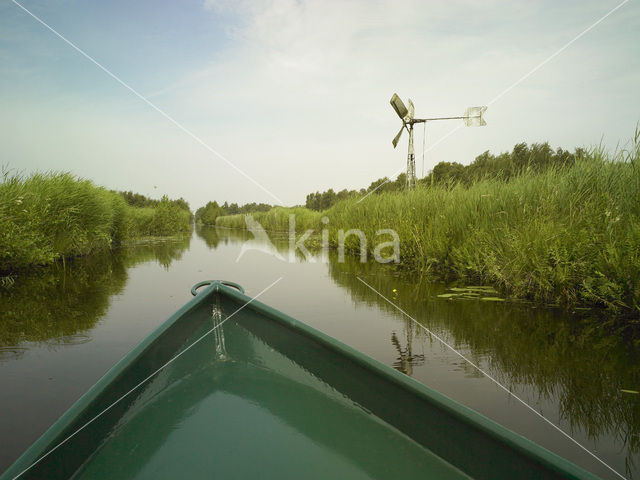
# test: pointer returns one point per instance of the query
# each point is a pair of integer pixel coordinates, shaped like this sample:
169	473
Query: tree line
138	200
537	157
207	215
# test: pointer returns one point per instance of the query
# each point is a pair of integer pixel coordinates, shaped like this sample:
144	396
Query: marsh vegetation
565	234
51	217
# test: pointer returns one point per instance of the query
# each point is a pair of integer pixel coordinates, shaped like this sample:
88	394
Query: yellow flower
394	290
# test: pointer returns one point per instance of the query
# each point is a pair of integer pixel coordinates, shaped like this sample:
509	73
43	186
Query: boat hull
229	387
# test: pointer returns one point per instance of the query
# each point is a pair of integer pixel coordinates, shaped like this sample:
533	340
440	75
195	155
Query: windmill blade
398	106
473	117
410	111
397	138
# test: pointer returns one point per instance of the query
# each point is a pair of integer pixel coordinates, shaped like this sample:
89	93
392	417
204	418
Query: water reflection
279	245
218	331
406	358
59	305
570	360
575	362
214	236
569	363
165	251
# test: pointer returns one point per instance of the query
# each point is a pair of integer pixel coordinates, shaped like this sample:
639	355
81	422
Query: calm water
61	330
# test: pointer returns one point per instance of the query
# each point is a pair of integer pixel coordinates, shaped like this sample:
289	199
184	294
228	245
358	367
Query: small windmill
472	118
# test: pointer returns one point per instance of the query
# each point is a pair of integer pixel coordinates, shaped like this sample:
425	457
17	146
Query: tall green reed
568	235
52	216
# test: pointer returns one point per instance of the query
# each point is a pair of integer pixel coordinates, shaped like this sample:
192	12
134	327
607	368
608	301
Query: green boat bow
229	387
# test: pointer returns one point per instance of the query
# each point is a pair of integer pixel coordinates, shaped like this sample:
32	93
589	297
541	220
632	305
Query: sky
269	100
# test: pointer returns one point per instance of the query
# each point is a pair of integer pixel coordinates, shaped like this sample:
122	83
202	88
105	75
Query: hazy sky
296	93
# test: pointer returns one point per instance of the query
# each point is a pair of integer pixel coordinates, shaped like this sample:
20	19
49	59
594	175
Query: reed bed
52	216
569	235
276	219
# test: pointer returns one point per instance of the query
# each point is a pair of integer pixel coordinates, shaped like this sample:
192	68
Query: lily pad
447	295
629	391
492	299
473	288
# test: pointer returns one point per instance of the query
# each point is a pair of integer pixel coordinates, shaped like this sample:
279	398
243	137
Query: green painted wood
266	396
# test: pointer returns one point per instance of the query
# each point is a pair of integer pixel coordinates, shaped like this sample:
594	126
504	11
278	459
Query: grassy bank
568	235
48	217
277	219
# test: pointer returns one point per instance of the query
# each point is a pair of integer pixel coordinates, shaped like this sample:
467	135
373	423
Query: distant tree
313	201
323	200
378	185
254	207
448	173
400	182
342	195
207	215
328	199
537	158
182	203
140	201
519	159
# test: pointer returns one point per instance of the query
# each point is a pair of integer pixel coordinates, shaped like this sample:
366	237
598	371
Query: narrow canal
62	328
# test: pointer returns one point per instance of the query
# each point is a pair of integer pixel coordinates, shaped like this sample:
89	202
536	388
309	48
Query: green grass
276	219
164	220
52	216
569	235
